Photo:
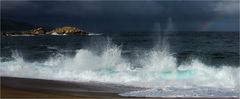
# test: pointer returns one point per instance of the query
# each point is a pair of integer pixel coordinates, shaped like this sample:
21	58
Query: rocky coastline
65	30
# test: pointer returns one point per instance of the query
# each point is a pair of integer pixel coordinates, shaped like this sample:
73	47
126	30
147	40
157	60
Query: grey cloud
228	8
104	15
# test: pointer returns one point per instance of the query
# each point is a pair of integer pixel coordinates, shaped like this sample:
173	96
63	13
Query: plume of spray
162	41
171	28
160	58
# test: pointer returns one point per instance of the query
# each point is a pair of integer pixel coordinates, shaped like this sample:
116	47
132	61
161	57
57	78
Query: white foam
159	70
92	34
186	92
159	67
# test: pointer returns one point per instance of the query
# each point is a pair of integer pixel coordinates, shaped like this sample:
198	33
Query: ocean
177	64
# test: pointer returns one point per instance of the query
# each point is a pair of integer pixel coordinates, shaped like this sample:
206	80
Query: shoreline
13	87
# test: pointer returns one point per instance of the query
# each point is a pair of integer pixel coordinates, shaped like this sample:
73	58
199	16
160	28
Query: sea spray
159	69
156	69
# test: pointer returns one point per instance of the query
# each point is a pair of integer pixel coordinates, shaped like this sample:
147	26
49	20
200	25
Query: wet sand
12	87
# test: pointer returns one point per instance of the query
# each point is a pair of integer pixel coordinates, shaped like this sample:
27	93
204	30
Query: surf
110	66
156	69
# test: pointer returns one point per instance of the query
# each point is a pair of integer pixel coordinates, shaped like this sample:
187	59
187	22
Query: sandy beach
12	87
36	88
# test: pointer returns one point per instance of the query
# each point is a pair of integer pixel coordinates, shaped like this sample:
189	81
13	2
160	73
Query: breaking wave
155	69
158	68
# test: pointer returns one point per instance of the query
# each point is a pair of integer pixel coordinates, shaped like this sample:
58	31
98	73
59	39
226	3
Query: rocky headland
65	30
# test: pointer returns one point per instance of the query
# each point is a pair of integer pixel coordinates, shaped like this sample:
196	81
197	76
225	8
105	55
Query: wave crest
158	69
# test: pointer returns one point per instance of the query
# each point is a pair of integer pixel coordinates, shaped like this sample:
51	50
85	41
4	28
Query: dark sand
12	87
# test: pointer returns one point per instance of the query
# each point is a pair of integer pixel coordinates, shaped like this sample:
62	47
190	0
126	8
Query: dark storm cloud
109	16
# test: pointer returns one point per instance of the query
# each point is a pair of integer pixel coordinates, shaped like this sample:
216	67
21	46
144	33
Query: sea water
180	64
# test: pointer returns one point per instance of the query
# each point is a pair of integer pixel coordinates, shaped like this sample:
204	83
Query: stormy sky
127	16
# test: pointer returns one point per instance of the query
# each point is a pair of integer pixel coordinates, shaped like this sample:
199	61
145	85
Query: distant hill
11	25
